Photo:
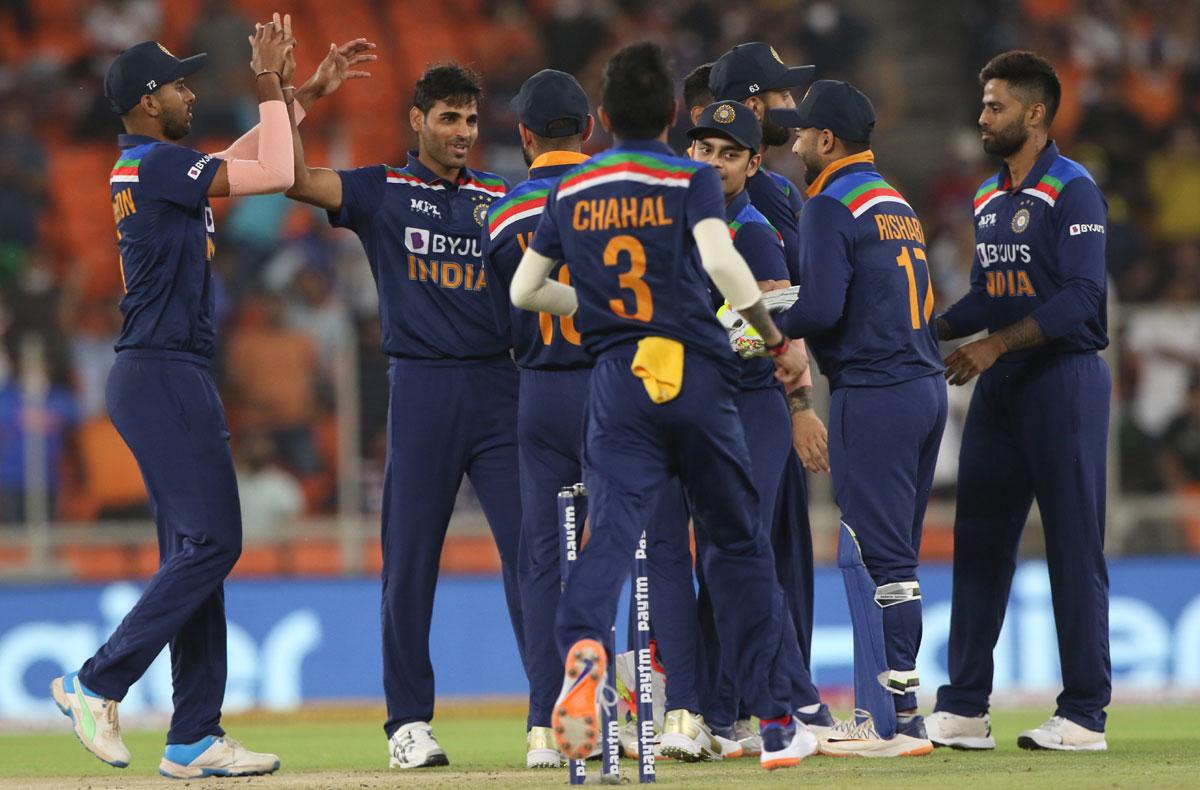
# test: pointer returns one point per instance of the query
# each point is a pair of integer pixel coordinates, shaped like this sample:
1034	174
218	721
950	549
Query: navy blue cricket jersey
540	341
1039	250
421	235
761	245
624	223
865	294
165	237
780	202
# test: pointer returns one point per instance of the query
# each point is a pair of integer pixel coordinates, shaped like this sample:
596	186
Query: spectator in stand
1173	181
272	373
227	109
22	175
93	352
319	313
270	496
1179	458
114	25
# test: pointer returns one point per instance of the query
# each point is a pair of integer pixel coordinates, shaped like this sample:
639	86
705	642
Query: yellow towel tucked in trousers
659	364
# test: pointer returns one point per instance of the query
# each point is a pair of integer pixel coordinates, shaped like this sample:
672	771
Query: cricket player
554	370
754	73
864	306
661	396
453	385
1038	421
161	394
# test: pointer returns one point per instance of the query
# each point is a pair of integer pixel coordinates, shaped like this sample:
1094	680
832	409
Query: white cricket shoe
785	747
93	717
214	755
686	737
960	732
413	746
746	732
540	749
857	737
1062	735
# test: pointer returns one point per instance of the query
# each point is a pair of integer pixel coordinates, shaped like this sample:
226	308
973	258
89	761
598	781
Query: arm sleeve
704	199
723	263
274	169
826	242
763	251
1082	223
533	290
362	194
178	174
246	146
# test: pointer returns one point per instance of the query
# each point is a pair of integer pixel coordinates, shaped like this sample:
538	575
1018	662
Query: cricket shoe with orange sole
574	721
784	746
857	737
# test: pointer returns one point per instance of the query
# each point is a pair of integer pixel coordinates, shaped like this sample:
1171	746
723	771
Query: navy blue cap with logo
142	69
731	120
551	96
750	69
837	106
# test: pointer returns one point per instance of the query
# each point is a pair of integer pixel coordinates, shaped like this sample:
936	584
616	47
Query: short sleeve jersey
780	202
1031	240
539	340
762	247
866	298
421	234
624	223
165	237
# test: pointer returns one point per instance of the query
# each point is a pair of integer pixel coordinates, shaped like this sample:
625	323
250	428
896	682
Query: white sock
808	710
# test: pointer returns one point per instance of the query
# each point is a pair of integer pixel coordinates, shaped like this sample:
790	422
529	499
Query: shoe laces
411	738
110	716
859	727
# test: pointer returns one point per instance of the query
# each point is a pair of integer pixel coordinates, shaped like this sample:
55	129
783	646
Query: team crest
480	213
1020	220
775	54
724	114
165	50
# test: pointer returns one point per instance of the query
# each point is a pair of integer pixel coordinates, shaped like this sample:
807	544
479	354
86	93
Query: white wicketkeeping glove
780	300
743	338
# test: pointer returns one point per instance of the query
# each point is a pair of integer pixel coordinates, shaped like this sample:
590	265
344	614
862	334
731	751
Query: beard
812	171
775	135
1007	141
176	126
527	156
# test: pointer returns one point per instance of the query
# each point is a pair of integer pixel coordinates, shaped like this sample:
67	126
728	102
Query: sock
810	709
782	721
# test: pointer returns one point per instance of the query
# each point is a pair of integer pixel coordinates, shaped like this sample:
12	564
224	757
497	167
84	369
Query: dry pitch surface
1148	746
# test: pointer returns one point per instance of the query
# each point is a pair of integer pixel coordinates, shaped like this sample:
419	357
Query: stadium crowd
296	294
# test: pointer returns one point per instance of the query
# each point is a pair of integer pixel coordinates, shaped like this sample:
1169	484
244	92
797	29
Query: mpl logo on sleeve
416	240
1076	230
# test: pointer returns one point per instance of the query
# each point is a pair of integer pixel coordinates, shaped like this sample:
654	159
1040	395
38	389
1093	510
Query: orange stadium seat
259	560
315	558
96	562
110	474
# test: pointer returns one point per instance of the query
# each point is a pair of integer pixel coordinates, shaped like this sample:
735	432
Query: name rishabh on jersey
165	236
540	341
1031	240
866	298
624	223
421	234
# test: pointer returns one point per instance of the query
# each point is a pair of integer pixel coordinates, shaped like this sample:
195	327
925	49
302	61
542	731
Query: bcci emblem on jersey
480	213
1020	220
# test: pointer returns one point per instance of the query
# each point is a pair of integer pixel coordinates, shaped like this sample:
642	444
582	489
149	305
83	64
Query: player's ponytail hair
1030	75
639	93
456	85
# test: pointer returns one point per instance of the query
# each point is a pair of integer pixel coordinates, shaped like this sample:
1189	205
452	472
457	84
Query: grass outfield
1149	745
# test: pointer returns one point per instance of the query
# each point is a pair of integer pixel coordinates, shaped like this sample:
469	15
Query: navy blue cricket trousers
632	447
550	438
446	418
1038	429
166	408
883	446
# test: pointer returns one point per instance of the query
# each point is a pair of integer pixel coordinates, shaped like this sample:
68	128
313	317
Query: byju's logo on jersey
425	207
417	240
1075	230
198	168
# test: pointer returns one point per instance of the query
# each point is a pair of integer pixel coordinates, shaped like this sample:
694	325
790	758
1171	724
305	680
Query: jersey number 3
631	280
905	261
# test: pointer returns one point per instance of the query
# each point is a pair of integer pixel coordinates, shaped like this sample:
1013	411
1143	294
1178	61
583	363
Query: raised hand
338	66
270	46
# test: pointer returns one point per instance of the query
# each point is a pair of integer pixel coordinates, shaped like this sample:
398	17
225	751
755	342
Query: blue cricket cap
142	69
549	96
837	106
749	69
732	120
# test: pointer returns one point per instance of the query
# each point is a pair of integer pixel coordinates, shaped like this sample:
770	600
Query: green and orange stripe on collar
399	175
861	192
517	208
1048	189
125	171
735	226
489	185
626	166
986	193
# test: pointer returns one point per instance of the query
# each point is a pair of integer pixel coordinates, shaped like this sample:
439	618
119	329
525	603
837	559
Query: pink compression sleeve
246	146
273	170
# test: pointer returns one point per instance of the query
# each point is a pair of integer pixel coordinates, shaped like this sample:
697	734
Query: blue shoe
214	755
820	722
785	747
912	725
93	718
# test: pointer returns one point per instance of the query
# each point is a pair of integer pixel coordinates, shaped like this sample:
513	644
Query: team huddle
640	321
